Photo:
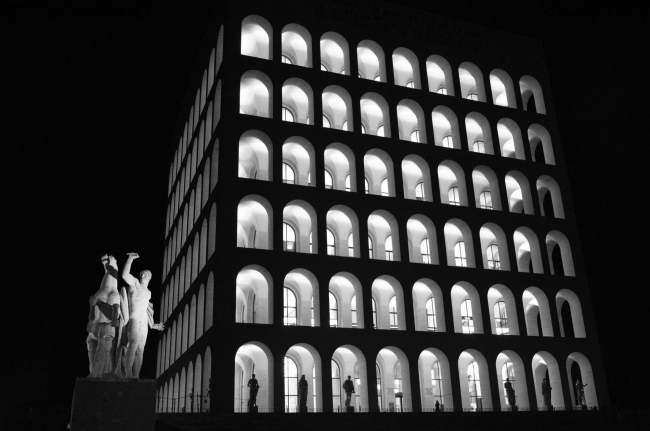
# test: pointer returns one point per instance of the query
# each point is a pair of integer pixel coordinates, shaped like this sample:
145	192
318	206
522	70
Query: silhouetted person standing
348	387
252	398
510	394
546	393
302	393
191	395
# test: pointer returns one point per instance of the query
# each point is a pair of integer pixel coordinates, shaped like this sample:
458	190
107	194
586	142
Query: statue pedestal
350	409
252	409
303	409
100	405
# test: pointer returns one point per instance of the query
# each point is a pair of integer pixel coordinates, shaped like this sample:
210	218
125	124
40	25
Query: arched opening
567	302
300	217
581	384
207	378
479	135
302	360
351	365
445	128
253	358
548	383
298	161
303	285
541	146
511	143
494	248
435	381
384	233
451	181
406	68
371	61
389	301
466	306
254	219
254	303
379	174
473	372
342	222
256	94
334	54
471	82
339	163
503	311
459	245
256	37
296	45
486	189
416	177
394	374
375	119
550	197
538	313
255	154
503	91
440	76
347	289
422	240
531	94
559	254
510	366
428	306
297	102
410	120
337	108
519	196
529	256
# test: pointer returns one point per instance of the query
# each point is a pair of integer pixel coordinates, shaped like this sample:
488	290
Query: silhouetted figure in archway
255	387
580	393
510	394
302	393
546	393
348	387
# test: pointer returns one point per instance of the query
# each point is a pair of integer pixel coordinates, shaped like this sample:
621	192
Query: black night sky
91	91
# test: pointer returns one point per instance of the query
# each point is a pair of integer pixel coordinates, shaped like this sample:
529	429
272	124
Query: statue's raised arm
126	271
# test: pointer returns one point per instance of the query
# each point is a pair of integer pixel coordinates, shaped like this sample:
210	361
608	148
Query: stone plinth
99	405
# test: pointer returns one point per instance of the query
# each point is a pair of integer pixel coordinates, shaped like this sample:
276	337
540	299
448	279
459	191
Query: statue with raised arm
140	317
546	393
103	318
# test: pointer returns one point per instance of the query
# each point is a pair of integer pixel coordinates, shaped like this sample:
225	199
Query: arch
301	217
378	167
308	362
255	94
416	178
182	394
387	360
343	222
509	365
456	231
445	128
502	322
420	228
527	250
191	405
486	188
192	322
451	174
209	302
212	231
382	226
529	87
547	188
352	363
586	377
439	75
254	292
371	61
406	68
345	288
256	37
511	143
207	377
298	98
254	221
520	198
254	358
375	118
340	164
479	134
475	389
557	238
298	154
219	51
337	108
296	45
198	390
384	289
498	259
537	135
428	316
435	380
544	364
304	285
410	121
577	320
536	306
470	322
503	90
217	106
200	312
471	82
334	53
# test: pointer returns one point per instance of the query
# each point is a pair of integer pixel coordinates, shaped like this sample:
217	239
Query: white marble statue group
118	322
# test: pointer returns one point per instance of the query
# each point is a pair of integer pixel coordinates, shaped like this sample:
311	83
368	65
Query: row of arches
335	57
340	173
195	379
256	98
461	246
433	308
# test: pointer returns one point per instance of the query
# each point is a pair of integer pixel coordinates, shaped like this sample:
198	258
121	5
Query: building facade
369	191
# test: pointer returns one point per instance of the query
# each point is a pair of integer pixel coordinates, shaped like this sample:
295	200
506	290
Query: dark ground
92	90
